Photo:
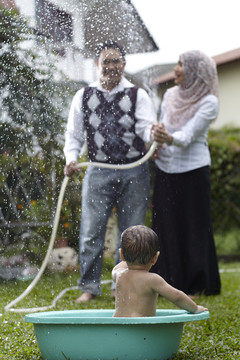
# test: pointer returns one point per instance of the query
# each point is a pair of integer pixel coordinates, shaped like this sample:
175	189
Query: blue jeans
103	189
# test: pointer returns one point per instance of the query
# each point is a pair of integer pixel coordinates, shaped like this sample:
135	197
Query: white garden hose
9	307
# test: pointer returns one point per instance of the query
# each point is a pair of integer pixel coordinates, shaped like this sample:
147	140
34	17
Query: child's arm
185	302
179	298
122	266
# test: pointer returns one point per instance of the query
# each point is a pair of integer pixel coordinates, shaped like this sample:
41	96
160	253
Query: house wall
229	95
26	8
73	64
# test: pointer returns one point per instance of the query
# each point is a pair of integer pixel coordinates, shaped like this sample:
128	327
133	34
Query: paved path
229	270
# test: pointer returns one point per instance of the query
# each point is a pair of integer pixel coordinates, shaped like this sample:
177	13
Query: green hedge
225	176
224	146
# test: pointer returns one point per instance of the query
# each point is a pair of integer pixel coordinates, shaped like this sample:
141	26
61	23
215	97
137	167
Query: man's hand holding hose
71	168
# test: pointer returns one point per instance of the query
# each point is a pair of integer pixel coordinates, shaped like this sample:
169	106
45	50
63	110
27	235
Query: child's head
139	244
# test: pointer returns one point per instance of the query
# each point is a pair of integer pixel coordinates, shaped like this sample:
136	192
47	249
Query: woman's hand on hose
160	134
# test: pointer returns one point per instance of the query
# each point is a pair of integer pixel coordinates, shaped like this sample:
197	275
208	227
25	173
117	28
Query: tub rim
91	316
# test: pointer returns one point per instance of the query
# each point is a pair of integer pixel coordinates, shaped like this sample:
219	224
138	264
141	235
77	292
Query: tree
29	115
31	127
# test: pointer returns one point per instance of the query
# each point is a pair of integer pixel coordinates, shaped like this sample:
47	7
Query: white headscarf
200	79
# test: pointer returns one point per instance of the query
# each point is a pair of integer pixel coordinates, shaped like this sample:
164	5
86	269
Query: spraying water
9	307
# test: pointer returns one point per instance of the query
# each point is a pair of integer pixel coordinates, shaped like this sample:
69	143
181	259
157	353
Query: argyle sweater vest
110	126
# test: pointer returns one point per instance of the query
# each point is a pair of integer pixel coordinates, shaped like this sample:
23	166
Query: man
115	118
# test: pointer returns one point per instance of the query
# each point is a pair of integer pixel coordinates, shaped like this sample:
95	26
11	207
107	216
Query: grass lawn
215	338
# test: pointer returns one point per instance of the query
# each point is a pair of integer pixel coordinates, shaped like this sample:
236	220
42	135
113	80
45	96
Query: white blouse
75	133
189	149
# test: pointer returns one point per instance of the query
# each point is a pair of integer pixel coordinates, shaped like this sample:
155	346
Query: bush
224	147
225	176
228	243
33	112
28	199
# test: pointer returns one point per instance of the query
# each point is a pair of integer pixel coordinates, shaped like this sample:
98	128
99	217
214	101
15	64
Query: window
53	22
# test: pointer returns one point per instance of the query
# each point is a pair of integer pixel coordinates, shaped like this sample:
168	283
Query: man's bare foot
85	297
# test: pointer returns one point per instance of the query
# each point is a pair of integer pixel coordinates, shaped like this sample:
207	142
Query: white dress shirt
75	133
189	149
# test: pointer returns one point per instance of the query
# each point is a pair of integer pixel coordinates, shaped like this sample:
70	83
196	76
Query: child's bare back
134	296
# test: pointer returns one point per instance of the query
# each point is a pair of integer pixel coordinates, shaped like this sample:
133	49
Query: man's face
111	66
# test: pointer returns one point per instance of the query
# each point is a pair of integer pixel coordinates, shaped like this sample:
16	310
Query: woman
181	200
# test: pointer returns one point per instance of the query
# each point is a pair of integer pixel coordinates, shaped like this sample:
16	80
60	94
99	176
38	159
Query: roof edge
224	58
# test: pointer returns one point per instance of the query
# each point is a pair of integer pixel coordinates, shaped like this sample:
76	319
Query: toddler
137	289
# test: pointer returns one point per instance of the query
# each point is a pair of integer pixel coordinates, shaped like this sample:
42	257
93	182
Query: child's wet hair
139	244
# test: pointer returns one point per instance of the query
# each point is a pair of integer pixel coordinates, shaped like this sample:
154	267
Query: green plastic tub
96	335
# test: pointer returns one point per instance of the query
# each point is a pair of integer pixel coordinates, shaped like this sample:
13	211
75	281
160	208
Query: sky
211	26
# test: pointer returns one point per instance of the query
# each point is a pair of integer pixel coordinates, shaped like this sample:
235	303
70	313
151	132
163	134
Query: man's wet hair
139	244
110	44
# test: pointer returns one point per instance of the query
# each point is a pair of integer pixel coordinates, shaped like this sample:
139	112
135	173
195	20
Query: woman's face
178	73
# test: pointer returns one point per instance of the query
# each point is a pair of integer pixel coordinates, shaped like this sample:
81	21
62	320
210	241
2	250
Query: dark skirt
182	221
